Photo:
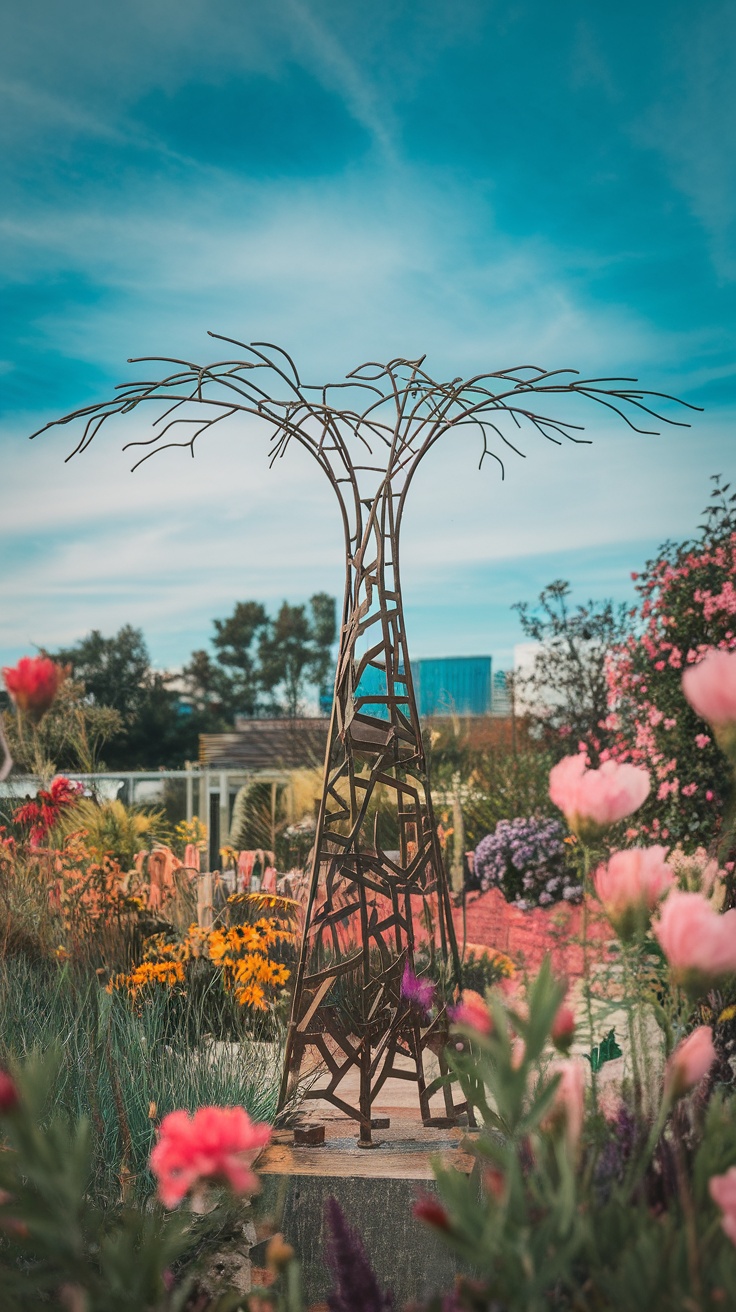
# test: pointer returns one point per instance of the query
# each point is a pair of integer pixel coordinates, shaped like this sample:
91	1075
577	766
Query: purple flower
526	859
356	1288
418	992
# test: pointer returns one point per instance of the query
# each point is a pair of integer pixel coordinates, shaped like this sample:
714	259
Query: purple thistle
356	1288
418	992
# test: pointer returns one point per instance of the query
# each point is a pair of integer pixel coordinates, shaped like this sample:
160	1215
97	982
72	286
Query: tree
688	604
114	671
565	694
294	650
262	664
153	728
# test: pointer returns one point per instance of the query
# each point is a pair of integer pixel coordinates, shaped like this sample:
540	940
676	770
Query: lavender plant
526	859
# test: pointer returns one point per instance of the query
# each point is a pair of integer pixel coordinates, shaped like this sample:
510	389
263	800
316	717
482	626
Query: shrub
526	859
688	604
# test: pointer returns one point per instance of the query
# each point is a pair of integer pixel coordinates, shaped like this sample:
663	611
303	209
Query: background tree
564	695
153	728
295	651
688	603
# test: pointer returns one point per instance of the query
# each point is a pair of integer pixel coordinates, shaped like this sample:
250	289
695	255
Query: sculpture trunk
372	912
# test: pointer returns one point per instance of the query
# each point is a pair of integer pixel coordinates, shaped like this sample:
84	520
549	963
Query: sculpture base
376	1191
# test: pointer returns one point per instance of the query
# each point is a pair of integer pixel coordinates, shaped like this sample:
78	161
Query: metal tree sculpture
370	912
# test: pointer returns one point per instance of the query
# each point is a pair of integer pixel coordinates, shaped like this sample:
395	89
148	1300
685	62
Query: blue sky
486	183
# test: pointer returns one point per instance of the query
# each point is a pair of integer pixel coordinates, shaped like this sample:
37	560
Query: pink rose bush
685	619
593	800
631	886
216	1143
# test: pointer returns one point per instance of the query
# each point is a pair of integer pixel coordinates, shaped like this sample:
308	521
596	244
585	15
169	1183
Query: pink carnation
698	942
710	687
690	1062
631	885
722	1190
593	800
216	1143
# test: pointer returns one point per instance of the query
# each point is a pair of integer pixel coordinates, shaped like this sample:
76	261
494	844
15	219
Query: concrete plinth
376	1189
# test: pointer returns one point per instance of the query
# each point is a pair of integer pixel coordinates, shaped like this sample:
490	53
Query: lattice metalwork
370	911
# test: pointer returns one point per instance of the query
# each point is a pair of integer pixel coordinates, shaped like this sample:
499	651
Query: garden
591	1039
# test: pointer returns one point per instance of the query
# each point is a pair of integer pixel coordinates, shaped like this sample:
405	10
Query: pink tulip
722	1189
563	1027
592	800
710	687
630	887
698	942
473	1012
690	1062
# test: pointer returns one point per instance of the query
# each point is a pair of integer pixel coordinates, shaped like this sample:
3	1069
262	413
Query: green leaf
606	1050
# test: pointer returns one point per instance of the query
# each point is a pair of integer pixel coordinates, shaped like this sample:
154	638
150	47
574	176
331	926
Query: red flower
215	1143
41	815
427	1208
8	1094
33	684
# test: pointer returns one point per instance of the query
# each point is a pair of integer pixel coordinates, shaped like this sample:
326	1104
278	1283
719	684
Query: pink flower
630	887
33	684
690	1062
710	688
698	942
216	1143
702	740
592	800
722	1189
563	1027
419	993
568	1108
473	1012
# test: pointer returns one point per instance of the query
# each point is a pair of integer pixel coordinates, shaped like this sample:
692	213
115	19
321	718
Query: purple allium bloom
419	992
356	1288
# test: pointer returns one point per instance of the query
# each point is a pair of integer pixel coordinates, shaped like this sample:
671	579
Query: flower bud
563	1028
278	1253
9	1100
690	1062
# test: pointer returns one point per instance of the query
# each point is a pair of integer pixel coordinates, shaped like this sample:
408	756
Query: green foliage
507	784
606	1050
59	1247
263	664
116	1063
565	695
71	735
113	828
